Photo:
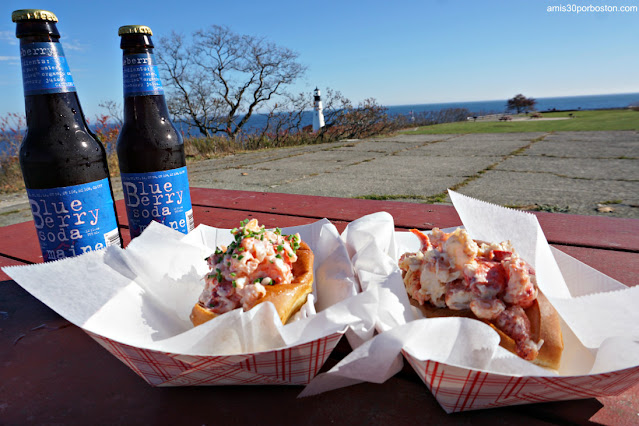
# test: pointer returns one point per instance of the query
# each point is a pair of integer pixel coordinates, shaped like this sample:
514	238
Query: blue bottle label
141	75
74	219
162	196
45	69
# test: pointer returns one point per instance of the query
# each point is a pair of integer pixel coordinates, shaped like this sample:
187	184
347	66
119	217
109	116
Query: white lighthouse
318	115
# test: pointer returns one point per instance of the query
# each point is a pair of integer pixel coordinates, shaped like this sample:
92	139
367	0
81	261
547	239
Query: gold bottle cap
135	29
33	15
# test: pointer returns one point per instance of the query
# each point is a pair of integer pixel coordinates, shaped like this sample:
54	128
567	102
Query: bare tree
369	118
190	100
335	106
216	80
114	110
286	116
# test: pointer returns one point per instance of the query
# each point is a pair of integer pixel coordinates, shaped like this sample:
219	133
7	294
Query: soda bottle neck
132	50
135	42
34	31
57	107
142	107
143	91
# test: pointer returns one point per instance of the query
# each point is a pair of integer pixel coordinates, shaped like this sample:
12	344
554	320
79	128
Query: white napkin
142	296
600	315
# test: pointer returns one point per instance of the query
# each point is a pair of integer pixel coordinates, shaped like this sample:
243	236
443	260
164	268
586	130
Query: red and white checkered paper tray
136	303
295	365
460	360
463	389
607	370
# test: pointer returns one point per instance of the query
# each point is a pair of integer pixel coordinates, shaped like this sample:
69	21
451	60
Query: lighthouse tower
318	115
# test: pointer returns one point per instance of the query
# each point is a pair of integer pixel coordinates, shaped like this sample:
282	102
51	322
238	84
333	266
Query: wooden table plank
5	261
591	231
619	410
229	218
409	215
120	209
20	241
622	266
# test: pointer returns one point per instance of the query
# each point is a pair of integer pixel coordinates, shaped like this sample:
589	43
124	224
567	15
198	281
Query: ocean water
258	121
543	104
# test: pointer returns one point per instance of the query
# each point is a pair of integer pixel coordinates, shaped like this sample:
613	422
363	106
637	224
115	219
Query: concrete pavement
574	172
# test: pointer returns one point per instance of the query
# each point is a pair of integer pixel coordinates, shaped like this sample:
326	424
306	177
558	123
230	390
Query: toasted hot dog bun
544	324
287	298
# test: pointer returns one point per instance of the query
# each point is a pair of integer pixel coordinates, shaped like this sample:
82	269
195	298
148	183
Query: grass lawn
612	119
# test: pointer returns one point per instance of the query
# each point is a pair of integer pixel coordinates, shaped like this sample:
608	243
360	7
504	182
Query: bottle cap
135	29
33	15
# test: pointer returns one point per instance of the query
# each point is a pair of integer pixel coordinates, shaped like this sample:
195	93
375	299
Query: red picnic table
52	372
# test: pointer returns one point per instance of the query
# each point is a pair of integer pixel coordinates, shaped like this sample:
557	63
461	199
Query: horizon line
497	100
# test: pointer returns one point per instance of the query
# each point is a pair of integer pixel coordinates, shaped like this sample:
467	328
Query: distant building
318	115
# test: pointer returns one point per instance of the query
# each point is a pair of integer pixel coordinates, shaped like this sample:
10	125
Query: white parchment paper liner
599	314
142	296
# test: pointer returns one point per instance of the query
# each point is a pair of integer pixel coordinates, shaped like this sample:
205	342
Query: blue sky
398	52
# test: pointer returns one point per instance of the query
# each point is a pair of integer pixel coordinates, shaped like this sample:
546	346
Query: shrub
201	147
12	128
107	132
10	175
